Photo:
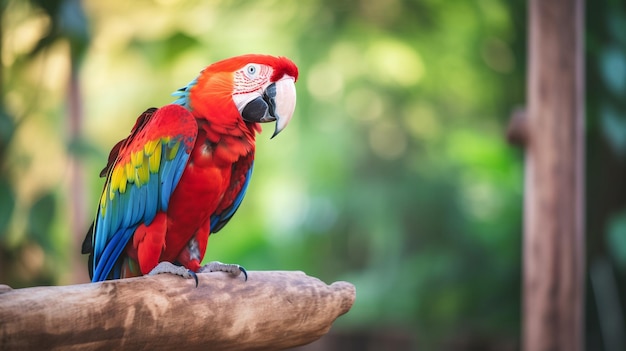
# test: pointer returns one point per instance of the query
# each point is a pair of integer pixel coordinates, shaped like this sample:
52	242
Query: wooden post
553	133
272	310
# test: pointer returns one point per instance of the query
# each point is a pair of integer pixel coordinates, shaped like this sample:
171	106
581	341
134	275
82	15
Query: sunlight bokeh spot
420	121
364	104
325	82
24	37
497	55
395	62
387	140
286	206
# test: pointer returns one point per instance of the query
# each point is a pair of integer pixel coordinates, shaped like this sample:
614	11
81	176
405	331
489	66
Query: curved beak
277	103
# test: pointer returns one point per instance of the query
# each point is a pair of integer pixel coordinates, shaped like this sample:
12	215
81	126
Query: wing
140	181
87	247
239	180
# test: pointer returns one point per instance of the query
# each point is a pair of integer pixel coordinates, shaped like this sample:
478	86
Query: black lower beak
261	109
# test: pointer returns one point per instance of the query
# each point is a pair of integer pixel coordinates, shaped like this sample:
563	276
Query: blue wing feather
169	179
219	220
112	251
151	193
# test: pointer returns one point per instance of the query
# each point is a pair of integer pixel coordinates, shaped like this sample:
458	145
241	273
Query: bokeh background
394	174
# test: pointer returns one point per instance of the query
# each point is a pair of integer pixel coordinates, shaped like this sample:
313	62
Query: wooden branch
272	310
517	130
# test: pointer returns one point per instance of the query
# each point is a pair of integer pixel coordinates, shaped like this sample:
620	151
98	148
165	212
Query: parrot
183	171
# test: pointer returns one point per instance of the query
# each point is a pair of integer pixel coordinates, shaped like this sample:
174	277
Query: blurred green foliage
606	175
31	252
394	173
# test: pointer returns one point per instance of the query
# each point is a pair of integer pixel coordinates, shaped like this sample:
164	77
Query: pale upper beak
277	103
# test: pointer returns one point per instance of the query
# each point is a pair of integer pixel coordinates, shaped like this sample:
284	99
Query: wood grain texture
554	200
271	311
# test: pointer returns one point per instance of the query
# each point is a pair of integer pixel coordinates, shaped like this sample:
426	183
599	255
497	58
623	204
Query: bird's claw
233	269
168	267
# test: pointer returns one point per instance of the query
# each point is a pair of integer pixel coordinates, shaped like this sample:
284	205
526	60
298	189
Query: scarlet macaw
183	171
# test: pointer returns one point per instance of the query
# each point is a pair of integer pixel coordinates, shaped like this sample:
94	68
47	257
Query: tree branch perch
272	310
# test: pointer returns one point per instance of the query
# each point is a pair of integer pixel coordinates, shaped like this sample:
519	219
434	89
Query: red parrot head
248	88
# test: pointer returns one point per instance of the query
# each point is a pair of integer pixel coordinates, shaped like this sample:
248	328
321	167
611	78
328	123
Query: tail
87	248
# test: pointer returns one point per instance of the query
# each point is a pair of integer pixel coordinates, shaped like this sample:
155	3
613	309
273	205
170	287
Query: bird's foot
233	269
168	267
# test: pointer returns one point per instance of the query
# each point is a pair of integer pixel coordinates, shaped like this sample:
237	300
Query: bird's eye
251	70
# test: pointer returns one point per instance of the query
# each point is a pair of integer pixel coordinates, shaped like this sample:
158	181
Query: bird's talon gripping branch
170	268
194	275
233	269
245	273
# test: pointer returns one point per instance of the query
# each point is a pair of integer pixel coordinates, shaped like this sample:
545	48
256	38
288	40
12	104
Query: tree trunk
272	310
553	215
